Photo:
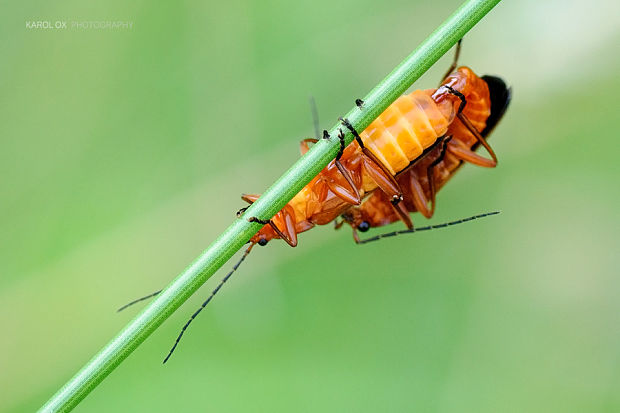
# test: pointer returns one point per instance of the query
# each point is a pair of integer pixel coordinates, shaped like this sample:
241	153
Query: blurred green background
123	154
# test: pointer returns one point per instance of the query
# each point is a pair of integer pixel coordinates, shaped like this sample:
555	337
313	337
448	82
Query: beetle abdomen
408	126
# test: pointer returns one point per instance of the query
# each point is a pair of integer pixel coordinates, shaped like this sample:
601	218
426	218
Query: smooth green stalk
274	199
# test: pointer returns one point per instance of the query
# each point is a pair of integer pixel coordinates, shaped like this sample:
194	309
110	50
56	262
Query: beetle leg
350	127
457	52
403	214
344	193
338	224
390	187
250	198
456	93
430	175
287	215
462	152
353	196
471	128
382	176
345	172
260	221
371	156
289	234
342	143
241	211
417	195
303	145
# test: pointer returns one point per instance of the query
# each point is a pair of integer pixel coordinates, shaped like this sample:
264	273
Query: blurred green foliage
124	153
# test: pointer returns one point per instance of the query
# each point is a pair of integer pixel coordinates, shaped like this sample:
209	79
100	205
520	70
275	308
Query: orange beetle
405	154
421	181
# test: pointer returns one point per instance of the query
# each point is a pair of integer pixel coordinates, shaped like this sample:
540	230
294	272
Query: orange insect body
407	127
392	144
376	211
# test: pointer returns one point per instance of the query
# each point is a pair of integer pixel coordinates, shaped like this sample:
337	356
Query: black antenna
146	297
315	117
176	343
444	225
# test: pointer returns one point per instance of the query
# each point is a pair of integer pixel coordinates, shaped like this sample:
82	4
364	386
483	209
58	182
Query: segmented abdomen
408	126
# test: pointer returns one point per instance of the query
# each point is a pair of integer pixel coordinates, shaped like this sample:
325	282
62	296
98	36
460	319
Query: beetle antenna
176	343
136	301
436	226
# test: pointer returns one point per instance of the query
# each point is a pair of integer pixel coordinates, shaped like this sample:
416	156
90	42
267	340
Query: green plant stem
274	199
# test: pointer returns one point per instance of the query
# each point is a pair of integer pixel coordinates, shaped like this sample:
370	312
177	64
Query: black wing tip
500	95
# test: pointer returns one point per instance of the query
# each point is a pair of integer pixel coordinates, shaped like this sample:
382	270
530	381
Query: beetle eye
262	242
363	226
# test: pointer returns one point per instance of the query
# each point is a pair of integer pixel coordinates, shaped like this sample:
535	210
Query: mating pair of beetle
399	162
393	168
